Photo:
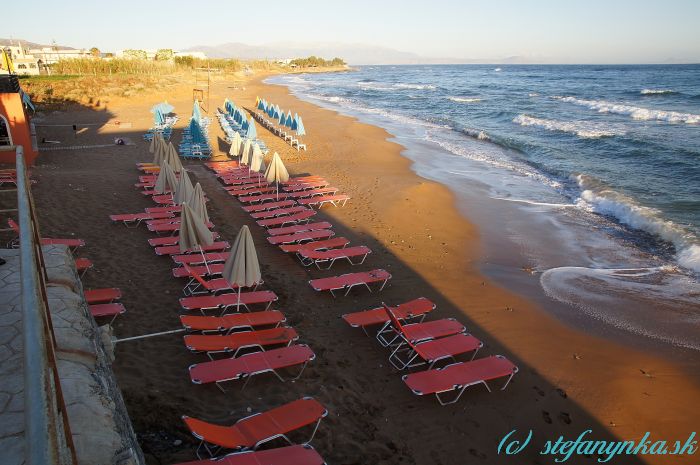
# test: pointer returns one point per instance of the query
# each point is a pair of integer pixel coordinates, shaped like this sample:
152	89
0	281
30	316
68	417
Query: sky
563	31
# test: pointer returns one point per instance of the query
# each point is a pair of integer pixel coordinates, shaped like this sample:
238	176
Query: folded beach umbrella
256	159
236	142
196	112
244	123
173	158
281	118
252	132
154	143
198	203
295	122
194	233
271	110
246	152
300	127
288	121
166	180
184	189
160	150
164	108
158	118
276	172
242	268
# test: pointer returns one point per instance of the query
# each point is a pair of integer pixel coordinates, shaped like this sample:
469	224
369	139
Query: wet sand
569	381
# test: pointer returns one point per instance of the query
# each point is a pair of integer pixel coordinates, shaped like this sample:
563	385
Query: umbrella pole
201	251
238	305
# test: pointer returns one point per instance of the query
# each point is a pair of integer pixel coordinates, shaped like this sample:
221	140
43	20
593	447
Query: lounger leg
218	384
383	284
443	403
508	380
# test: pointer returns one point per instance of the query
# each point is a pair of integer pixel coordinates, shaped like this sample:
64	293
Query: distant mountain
27	44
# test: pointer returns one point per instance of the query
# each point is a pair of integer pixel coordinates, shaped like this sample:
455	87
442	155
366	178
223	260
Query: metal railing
48	439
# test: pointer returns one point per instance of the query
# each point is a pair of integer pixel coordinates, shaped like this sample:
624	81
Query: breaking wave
580	128
600	199
657	91
464	99
637	113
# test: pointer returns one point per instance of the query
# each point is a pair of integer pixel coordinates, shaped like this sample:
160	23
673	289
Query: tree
164	54
135	54
95	52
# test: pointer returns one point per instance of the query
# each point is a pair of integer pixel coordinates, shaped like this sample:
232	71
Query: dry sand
568	382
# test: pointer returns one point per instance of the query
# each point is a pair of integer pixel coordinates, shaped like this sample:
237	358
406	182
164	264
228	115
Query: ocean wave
580	128
464	99
414	86
494	156
497	69
600	199
657	91
637	113
643	292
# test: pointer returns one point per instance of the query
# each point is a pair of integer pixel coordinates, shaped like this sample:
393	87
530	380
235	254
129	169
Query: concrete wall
101	428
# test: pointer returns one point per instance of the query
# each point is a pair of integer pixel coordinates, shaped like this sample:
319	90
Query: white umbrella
154	143
194	233
257	159
242	268
235	145
198	203
184	189
276	172
245	152
166	180
173	158
159	152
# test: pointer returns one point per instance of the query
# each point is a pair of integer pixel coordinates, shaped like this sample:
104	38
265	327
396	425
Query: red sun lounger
255	430
300	186
338	200
312	193
163	199
254	185
296	218
277	212
173	209
276	197
290	455
416	308
82	265
105	310
170	227
236	342
102	296
269	206
175	249
187	271
172	240
198	285
318	257
196	259
305	237
348	281
459	376
70	243
417	332
260	190
135	219
429	351
233	322
299	228
224	301
334	243
249	365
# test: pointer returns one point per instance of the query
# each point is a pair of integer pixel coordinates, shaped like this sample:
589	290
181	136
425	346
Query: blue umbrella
244	125
252	133
288	121
261	104
271	111
158	118
295	122
300	127
281	118
196	132
196	113
164	108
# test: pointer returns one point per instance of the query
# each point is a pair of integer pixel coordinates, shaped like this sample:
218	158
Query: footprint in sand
565	417
538	390
545	416
562	393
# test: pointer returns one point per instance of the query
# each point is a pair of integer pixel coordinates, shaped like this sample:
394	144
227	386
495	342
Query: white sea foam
596	290
580	128
497	69
637	113
657	91
415	86
605	201
536	203
464	99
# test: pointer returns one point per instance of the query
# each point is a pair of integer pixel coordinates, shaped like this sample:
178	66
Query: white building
51	55
23	61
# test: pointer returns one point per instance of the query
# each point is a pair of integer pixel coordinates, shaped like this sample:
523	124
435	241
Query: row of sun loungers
412	342
238	345
230	126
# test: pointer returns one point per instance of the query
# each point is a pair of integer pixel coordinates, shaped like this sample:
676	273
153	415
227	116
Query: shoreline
568	380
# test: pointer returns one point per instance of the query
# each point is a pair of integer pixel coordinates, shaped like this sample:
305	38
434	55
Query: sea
584	180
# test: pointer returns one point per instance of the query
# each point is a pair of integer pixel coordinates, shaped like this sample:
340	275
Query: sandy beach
569	381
